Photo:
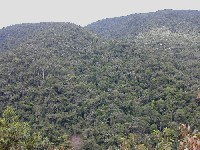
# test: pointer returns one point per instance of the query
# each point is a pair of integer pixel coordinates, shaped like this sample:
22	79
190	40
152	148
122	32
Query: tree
163	140
15	134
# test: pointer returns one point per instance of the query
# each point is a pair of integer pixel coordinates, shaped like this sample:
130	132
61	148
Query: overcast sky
82	12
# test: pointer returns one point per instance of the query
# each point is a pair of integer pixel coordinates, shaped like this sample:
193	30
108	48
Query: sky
82	12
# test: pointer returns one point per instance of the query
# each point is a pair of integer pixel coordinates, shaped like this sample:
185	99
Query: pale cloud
82	12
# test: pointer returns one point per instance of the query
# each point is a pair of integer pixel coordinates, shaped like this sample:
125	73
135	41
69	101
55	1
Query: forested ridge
89	89
179	21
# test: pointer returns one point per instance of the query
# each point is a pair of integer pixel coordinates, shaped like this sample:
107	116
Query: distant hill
64	79
12	36
184	21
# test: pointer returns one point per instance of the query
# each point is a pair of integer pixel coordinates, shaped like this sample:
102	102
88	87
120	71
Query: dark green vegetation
64	80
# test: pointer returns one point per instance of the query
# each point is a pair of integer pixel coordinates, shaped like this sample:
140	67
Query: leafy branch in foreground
187	140
17	135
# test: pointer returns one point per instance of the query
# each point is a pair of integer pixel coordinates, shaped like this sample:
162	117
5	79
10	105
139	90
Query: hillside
63	79
12	36
181	21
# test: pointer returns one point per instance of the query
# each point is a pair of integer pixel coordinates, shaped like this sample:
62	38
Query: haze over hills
141	74
183	21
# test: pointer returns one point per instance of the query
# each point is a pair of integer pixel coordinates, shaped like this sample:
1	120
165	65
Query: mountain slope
11	37
43	58
65	80
184	21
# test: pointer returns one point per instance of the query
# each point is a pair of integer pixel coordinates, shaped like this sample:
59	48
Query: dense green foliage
17	135
64	80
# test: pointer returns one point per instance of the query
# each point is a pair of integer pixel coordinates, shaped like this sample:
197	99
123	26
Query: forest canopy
104	85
